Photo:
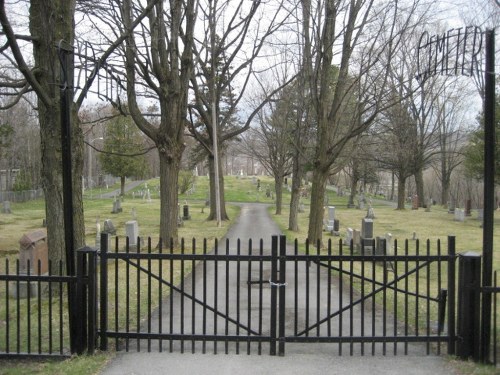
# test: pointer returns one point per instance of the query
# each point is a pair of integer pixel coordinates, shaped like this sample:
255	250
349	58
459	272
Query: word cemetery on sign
454	52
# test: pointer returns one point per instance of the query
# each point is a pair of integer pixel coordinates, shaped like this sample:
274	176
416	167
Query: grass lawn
433	225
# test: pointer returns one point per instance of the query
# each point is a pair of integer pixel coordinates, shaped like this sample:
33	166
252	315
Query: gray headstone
6	207
367	228
132	232
356	239
117	206
459	214
388	243
109	227
480	214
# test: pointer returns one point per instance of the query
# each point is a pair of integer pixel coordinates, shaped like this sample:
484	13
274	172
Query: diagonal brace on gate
365	297
183	293
364	278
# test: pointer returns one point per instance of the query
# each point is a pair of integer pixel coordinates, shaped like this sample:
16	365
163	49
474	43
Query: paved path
116	192
254	222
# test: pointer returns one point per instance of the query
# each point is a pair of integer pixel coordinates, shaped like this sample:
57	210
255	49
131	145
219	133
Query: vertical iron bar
104	292
127	295
138	293
238	282
39	304
116	292
182	316
49	323
66	99
362	302
204	328
374	321
216	276
442	305
61	316
193	289
18	311
341	292
417	288
226	276
282	295
249	295
329	290
489	187
451	295
149	293
406	298
428	296
318	289
351	299
92	301
261	270
160	294
384	303
171	294
7	310
395	270
274	274
296	289
28	306
307	264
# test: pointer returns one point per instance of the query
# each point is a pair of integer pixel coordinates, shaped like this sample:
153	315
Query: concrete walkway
310	358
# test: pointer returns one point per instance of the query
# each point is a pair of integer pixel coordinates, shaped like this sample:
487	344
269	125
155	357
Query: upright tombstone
356	239
459	215
429	205
414	202
132	232
109	228
34	252
451	206
117	206
185	212
6	207
329	224
388	243
367	235
468	207
348	236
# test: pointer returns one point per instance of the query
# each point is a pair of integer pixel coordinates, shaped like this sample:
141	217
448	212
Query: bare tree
228	56
360	37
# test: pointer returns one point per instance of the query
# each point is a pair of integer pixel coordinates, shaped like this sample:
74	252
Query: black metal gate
247	298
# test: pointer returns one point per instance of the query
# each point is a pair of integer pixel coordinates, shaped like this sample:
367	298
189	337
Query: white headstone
459	214
348	236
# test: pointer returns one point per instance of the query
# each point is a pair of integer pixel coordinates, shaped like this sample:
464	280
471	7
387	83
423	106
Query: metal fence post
282	296
80	312
451	296
103	324
469	301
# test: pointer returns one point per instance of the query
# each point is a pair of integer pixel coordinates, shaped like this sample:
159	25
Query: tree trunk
213	208
393	183
278	188
169	203
315	232
419	181
293	222
122	186
401	193
50	22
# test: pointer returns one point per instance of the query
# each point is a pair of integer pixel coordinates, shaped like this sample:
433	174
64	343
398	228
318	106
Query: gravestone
33	248
109	228
480	214
380	246
367	228
451	206
468	206
330	220
336	228
6	207
429	205
117	206
132	232
367	235
370	213
356	239
388	243
459	214
414	202
185	212
348	237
